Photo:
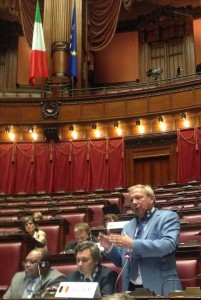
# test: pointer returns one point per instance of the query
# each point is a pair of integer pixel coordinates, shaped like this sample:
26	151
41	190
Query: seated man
36	277
89	268
82	232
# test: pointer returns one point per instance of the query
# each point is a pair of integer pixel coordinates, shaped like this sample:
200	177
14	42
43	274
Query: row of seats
92	208
13	252
188	268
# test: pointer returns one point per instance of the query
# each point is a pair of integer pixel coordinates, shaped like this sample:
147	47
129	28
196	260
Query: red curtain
65	166
189	155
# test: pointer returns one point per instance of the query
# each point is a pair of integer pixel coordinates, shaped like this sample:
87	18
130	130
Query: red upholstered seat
97	214
127	198
73	219
189	235
117	201
188	269
9	230
192	218
53	238
11	256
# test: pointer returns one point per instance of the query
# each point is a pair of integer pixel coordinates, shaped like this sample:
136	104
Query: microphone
127	257
177	279
178	210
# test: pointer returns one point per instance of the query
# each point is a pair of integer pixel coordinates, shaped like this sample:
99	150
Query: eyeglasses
136	199
29	262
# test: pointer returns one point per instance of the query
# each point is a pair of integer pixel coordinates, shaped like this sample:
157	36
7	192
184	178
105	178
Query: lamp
71	127
160	119
7	129
116	124
183	116
31	129
138	122
94	126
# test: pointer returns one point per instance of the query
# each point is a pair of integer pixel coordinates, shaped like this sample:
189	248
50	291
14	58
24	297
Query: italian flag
38	66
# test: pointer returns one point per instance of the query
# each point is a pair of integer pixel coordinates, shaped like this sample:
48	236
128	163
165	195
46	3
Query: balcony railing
137	88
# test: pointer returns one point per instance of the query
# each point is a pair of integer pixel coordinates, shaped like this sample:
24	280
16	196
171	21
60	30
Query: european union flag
72	64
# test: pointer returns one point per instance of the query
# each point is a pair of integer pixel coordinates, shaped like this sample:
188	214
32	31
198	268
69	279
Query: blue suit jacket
155	252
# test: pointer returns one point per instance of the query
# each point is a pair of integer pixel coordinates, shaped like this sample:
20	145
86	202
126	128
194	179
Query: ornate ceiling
131	9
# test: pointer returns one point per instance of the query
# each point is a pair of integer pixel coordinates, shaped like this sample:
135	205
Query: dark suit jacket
20	281
105	277
71	245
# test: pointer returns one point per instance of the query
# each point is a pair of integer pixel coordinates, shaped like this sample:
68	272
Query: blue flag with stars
72	63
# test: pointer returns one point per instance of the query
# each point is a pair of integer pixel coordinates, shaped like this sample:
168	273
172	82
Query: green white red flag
38	66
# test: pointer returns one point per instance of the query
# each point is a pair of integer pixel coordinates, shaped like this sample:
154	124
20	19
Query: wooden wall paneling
183	99
155	101
155	165
90	111
138	106
152	170
161	102
114	109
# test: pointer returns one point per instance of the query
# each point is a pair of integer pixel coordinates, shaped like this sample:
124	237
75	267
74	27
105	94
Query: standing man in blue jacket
146	247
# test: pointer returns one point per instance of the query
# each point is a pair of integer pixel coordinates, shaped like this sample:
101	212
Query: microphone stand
127	257
175	279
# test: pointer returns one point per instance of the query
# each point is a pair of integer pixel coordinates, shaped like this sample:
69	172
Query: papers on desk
78	290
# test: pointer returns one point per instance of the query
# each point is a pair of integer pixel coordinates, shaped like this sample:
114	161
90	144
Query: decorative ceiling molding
165	16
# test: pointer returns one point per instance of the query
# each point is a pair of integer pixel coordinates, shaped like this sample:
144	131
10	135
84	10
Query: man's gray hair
147	188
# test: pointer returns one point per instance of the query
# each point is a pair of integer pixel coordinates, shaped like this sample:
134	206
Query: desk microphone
179	209
127	257
177	279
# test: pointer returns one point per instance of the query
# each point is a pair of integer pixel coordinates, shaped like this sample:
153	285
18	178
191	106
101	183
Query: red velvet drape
189	155
65	166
